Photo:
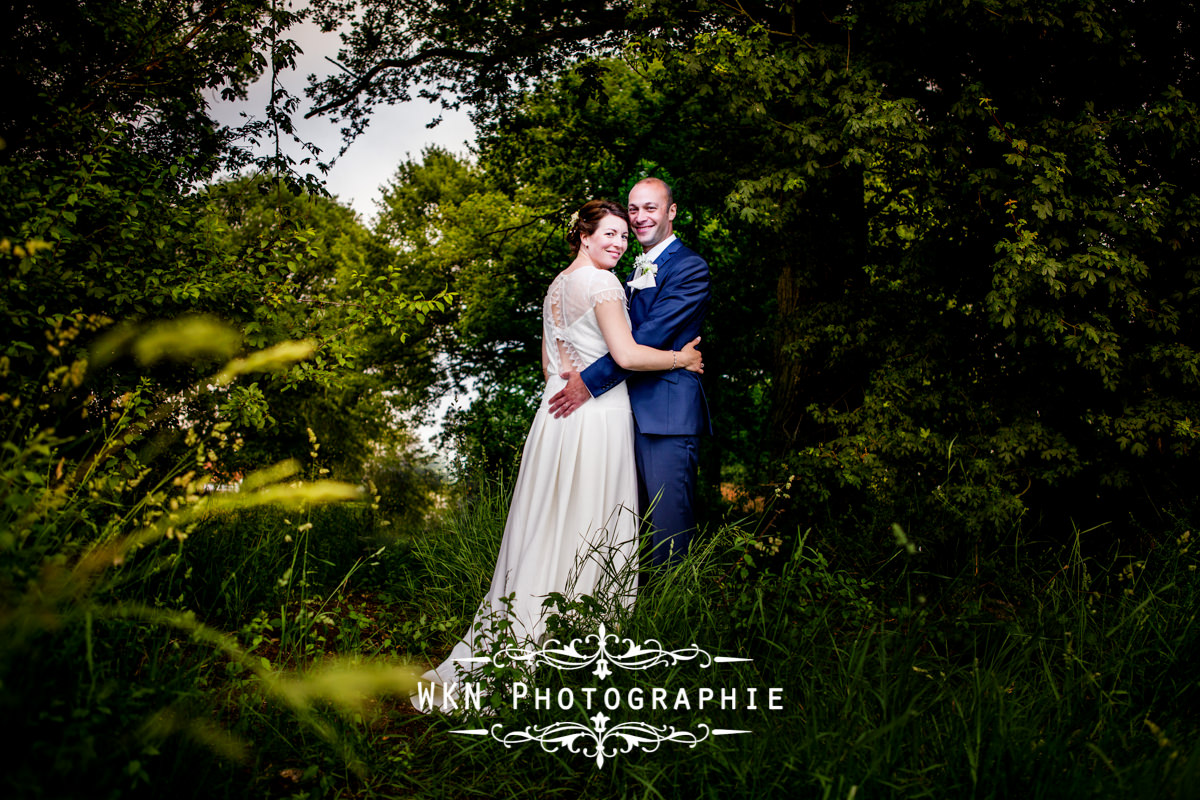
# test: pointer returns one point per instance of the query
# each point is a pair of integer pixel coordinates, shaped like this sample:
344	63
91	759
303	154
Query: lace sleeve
606	288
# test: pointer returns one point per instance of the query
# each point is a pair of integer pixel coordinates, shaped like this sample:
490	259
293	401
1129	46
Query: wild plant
85	520
896	682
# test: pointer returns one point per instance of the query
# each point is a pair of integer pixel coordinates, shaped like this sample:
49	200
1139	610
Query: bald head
660	185
651	211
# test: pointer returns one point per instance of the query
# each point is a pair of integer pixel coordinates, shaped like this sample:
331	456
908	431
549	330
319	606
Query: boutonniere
644	271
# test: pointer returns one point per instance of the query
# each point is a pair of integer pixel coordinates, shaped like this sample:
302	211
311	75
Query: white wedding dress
572	526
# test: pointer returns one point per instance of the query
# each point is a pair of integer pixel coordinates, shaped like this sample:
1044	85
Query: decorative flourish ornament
636	656
598	741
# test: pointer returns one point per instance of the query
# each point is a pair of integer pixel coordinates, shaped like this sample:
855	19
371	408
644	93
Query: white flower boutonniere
644	271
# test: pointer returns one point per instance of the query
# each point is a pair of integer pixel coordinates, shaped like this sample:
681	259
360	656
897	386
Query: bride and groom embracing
617	429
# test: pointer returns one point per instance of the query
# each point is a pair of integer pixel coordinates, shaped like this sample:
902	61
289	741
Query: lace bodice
572	334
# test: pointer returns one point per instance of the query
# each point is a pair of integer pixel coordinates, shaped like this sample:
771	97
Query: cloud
395	133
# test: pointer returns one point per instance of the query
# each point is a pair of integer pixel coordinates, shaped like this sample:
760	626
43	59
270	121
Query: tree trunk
826	240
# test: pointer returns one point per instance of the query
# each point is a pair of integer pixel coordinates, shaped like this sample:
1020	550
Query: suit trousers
666	467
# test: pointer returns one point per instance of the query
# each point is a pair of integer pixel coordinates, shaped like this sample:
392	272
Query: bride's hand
690	358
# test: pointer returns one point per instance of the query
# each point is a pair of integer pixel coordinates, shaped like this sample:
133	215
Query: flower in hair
573	221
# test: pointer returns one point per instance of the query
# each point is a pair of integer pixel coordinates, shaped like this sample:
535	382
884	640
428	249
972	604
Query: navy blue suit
670	411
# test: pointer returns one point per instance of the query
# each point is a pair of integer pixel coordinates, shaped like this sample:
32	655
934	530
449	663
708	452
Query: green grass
1064	691
895	683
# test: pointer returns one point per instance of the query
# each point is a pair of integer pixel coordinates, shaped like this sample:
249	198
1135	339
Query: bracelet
674	359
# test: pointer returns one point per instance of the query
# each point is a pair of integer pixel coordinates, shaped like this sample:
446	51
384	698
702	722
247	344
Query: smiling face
607	243
651	212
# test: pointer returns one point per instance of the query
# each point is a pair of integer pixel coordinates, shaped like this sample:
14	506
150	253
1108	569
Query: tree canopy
111	220
953	244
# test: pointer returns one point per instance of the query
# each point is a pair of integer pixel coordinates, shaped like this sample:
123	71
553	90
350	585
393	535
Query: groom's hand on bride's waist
572	396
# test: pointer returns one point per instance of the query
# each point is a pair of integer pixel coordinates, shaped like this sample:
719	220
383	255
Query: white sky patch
395	132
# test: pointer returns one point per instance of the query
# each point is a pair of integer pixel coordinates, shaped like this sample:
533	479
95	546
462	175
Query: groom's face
651	213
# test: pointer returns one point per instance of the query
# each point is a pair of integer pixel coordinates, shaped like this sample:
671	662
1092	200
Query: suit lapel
661	261
668	254
640	300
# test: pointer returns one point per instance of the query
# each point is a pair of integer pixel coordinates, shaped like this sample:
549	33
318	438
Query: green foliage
102	218
241	561
496	255
489	436
327	278
954	290
113	562
951	282
898	682
408	488
94	580
149	68
895	682
454	561
491	248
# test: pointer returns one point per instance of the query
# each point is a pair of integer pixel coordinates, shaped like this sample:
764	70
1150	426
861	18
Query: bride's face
608	243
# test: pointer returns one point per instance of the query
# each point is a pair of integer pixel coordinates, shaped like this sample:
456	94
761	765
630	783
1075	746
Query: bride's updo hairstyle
585	221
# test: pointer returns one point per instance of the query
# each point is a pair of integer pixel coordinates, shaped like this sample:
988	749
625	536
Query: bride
572	527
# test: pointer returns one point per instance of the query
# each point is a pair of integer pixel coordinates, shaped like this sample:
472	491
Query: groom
668	295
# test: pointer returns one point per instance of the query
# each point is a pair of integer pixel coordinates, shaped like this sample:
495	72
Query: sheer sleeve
606	288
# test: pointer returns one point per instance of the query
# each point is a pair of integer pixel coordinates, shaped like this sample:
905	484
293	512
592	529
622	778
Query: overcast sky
395	133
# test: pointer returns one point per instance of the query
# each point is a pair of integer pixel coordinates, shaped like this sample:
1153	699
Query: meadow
270	653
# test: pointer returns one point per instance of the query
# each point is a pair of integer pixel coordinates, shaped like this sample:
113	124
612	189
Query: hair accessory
573	221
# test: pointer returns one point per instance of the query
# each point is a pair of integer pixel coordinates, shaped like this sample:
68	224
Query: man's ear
671	212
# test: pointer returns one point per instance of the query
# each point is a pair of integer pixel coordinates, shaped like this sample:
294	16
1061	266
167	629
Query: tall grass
1082	685
894	682
110	661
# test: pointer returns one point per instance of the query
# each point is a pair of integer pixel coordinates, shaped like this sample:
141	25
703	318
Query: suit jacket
666	316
